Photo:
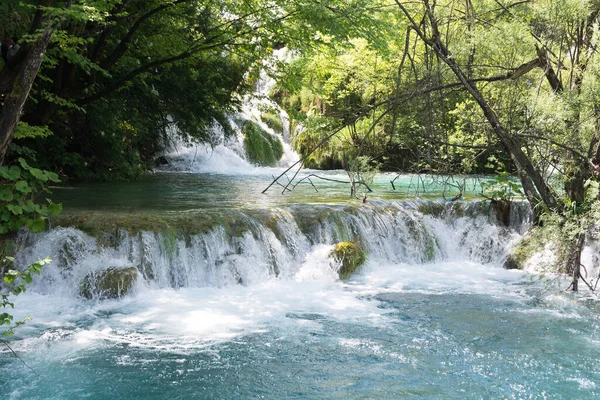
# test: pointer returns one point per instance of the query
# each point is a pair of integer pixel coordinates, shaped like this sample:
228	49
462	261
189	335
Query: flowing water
252	307
237	297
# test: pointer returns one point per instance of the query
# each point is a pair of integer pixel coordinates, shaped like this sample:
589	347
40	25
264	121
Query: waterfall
246	247
227	155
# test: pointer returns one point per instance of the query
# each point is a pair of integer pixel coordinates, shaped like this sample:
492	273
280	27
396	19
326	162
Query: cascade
248	247
228	155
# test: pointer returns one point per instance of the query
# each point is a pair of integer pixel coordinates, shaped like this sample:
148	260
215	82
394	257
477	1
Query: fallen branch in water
301	162
19	358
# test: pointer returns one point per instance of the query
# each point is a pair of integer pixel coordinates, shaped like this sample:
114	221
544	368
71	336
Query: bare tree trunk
573	264
15	100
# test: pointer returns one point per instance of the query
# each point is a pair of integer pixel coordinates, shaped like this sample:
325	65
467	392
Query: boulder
350	256
112	283
513	262
262	148
160	161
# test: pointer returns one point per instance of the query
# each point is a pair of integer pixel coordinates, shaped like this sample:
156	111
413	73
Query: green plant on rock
273	121
20	186
261	147
350	256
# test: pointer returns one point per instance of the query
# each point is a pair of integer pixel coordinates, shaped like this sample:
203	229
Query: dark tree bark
15	100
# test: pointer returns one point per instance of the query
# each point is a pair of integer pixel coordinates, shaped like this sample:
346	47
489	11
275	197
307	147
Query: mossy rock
458	209
514	261
534	242
261	147
109	227
273	121
433	208
350	255
112	283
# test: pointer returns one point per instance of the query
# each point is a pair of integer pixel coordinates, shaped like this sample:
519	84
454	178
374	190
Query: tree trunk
573	265
530	177
15	100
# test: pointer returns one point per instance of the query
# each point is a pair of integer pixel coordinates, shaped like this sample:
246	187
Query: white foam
191	318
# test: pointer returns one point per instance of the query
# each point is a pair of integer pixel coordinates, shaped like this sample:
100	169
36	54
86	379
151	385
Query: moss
534	242
433	208
350	255
111	283
431	245
261	147
105	226
458	209
109	228
168	243
273	121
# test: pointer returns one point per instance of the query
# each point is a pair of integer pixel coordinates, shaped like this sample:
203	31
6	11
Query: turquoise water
453	325
188	191
408	344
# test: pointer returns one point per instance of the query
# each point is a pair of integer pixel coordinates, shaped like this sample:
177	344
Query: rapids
237	296
248	305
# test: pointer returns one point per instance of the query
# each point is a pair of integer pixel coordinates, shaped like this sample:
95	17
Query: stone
160	161
350	256
112	283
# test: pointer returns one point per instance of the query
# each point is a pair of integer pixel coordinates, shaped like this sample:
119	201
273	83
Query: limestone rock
350	255
111	283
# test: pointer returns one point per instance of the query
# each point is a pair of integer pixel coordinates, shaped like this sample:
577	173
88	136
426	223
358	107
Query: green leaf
39	174
11	173
24	163
15	209
29	206
53	177
54	209
6	193
37	225
23	187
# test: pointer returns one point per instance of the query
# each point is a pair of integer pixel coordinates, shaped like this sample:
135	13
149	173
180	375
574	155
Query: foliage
17	281
20	185
503	187
361	171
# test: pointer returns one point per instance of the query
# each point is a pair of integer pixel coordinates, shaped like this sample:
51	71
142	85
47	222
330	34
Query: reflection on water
188	191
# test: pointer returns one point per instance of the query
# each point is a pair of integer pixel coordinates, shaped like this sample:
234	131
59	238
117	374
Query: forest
97	92
457	87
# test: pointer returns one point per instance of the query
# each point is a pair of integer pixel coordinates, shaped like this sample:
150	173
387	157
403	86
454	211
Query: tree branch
121	48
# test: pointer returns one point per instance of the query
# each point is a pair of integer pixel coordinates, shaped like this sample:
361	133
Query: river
251	306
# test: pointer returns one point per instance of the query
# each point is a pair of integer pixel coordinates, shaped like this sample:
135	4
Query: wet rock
71	250
111	283
350	255
502	209
513	262
160	161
